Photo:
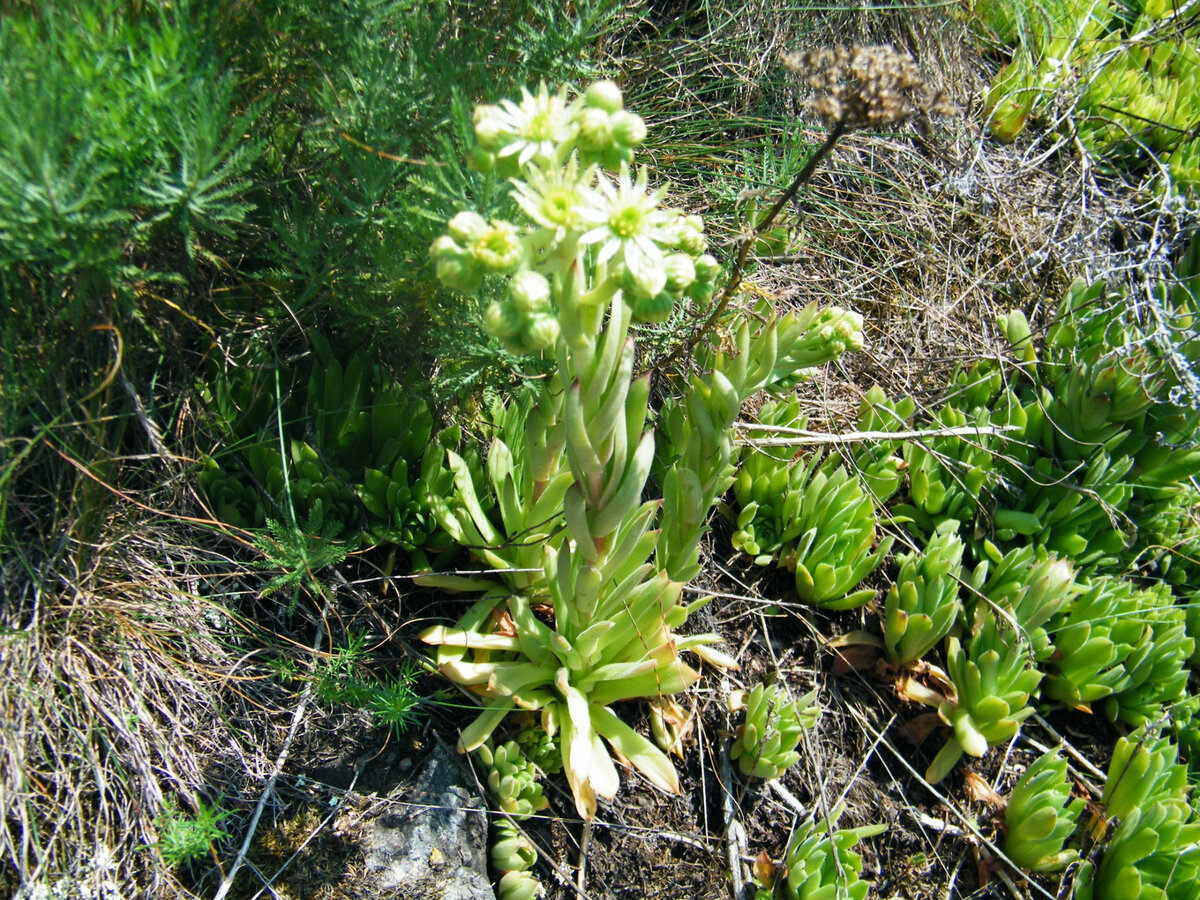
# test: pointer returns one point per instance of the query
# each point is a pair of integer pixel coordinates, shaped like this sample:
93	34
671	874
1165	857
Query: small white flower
540	125
627	222
554	198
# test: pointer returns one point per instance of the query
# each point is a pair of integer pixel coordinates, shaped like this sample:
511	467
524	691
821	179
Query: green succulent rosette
764	745
993	681
1041	816
923	603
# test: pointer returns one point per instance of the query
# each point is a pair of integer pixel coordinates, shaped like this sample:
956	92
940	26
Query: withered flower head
862	87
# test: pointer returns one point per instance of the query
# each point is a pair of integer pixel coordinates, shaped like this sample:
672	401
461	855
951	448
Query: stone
434	847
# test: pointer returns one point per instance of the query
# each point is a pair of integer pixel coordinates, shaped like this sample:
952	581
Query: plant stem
739	263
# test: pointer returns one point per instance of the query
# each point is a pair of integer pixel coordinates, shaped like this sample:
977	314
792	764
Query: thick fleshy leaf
641	752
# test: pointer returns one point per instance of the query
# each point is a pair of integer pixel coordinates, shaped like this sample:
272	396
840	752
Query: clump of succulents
820	863
993	681
769	488
1154	850
512	782
877	461
764	745
836	544
1029	585
1040	816
923	602
352	442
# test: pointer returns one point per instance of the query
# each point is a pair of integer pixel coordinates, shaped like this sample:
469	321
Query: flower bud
689	236
503	320
499	248
604	95
595	130
629	129
681	272
490	130
529	291
614	156
644	282
701	291
540	333
467	227
707	267
655	309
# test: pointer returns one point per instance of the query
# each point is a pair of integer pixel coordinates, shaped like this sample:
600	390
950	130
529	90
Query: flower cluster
569	165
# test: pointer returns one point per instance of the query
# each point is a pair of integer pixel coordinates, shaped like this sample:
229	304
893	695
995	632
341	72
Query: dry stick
276	771
739	263
735	834
800	436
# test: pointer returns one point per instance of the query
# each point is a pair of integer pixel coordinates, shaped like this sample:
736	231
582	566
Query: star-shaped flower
627	223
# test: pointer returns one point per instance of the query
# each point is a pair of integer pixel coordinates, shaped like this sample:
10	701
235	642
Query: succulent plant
512	779
877	462
820	862
768	488
1156	665
1030	585
764	746
922	604
993	682
1041	816
1092	635
947	473
835	548
1155	849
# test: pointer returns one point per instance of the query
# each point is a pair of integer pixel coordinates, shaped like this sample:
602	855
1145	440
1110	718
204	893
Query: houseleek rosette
1092	635
768	488
1155	849
1028	584
1041	816
876	461
835	549
993	681
922	605
820	862
764	745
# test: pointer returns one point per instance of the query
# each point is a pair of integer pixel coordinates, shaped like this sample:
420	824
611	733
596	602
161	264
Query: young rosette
1041	816
764	746
769	489
1029	584
993	681
820	863
512	779
835	527
922	605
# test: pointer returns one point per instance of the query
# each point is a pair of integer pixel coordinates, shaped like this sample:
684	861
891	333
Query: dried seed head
862	87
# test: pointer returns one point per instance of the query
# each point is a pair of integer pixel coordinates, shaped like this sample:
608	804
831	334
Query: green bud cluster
544	128
1041	816
811	337
993	682
764	746
922	605
552	150
820	863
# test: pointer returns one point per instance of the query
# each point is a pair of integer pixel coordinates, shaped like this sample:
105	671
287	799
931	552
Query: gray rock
435	848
